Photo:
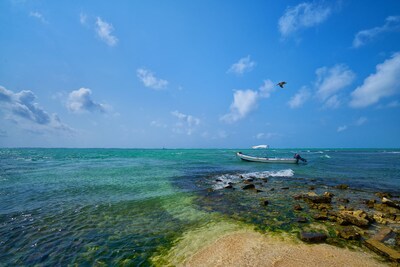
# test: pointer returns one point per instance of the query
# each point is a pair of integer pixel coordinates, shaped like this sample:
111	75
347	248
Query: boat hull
266	160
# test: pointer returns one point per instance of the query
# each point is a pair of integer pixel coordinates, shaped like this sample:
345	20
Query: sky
200	74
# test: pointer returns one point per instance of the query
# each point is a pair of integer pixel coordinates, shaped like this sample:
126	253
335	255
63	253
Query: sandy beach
231	244
255	249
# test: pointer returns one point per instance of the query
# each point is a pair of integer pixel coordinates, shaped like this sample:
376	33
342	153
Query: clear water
123	206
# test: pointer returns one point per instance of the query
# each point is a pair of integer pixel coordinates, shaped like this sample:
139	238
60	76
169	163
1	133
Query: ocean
129	207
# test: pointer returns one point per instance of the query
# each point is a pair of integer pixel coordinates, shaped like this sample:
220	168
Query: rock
264	202
342	186
248	180
285	188
321	206
313	237
390	203
312	187
301	220
349	233
264	179
370	203
344	200
272	189
248	186
328	194
228	186
383	194
359	218
218	180
314	198
382	249
386	209
321	216
297	207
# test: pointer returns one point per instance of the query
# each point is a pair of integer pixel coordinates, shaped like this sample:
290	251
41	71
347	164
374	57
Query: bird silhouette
281	84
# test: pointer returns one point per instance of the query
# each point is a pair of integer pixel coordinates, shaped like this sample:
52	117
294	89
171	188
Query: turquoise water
123	206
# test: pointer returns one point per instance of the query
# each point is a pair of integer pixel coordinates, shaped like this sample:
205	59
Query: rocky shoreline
337	215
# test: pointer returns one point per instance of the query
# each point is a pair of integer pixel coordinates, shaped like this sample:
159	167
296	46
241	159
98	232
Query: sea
129	207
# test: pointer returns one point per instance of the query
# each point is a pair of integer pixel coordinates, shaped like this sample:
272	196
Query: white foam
227	179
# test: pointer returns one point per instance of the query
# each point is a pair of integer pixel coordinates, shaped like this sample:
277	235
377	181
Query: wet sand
249	248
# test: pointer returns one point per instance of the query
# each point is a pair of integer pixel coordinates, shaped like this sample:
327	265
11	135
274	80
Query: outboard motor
298	157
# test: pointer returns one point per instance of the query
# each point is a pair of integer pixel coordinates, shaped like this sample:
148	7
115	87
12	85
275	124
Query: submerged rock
342	186
313	237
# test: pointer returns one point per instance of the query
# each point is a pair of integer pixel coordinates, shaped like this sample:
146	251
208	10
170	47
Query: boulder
264	202
248	186
390	203
370	203
348	233
383	194
358	217
311	237
297	207
342	186
314	198
301	220
323	216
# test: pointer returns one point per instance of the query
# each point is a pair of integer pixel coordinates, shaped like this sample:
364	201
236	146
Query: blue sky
199	74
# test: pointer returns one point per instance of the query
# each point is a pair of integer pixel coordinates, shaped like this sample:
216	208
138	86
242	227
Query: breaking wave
225	180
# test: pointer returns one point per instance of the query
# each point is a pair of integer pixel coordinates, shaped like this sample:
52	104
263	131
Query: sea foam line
227	179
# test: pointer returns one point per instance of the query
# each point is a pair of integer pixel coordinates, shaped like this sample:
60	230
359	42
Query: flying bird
281	84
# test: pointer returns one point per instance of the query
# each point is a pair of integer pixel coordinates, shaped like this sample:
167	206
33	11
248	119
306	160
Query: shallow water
123	206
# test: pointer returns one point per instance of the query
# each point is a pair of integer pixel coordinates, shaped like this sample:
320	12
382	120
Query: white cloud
104	31
242	66
267	89
332	80
383	83
81	101
149	80
299	98
244	101
303	15
341	128
22	109
392	23
332	102
83	18
38	16
186	123
361	121
158	124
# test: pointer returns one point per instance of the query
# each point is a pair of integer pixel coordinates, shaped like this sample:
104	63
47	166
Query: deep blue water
122	206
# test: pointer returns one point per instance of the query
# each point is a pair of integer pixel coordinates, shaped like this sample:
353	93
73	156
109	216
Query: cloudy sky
199	74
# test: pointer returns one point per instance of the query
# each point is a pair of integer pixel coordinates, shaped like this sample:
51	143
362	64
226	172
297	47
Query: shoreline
239	245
